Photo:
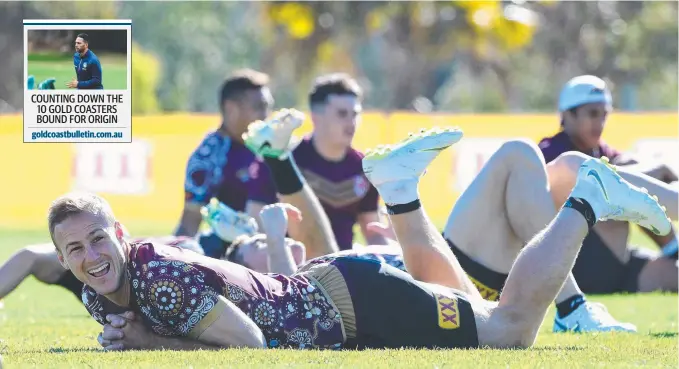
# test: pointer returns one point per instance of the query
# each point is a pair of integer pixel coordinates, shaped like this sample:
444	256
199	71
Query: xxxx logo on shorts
449	315
487	293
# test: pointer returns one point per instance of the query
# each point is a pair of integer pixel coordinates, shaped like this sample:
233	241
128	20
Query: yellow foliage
484	17
471	6
325	52
297	18
145	77
375	20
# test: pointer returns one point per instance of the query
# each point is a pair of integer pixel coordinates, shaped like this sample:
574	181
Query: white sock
399	192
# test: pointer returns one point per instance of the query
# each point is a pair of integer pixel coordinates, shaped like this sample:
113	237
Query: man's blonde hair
75	203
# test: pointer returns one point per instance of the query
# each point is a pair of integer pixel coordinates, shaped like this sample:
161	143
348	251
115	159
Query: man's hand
274	218
72	84
125	332
663	173
384	230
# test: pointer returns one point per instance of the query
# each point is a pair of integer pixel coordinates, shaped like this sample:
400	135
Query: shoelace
600	313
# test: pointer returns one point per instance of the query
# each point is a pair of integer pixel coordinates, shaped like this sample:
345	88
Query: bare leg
542	266
37	260
659	273
535	279
510	201
426	254
395	174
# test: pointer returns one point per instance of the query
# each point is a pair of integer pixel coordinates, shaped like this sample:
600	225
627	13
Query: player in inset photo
87	66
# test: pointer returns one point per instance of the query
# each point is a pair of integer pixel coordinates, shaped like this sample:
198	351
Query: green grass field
45	327
43	66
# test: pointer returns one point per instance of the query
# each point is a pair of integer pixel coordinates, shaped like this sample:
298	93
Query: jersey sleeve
98	306
178	298
549	150
199	173
261	187
370	202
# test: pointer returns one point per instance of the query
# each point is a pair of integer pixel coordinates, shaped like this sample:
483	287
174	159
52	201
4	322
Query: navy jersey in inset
88	71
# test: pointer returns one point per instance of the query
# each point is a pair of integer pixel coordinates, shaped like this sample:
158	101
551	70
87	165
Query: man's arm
228	326
261	192
274	220
225	326
314	229
371	238
197	190
368	214
253	208
190	221
95	81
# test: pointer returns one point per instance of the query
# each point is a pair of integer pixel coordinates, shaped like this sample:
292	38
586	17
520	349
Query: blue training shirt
88	71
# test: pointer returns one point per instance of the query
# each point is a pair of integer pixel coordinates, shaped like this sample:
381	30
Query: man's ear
60	257
120	231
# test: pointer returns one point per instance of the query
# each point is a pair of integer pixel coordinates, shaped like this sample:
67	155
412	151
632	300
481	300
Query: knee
569	161
522	151
513	329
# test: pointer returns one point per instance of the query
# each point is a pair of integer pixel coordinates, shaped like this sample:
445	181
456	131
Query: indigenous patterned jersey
178	293
223	168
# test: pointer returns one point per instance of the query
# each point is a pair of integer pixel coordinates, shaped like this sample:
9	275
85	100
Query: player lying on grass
41	260
510	200
152	296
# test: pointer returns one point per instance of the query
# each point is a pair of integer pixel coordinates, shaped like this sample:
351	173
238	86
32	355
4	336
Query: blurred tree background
456	56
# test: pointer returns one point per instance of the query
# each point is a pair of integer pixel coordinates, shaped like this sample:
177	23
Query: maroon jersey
341	187
552	147
174	290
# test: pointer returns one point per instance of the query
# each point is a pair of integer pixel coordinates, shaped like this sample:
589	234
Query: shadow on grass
664	335
557	348
542	348
59	350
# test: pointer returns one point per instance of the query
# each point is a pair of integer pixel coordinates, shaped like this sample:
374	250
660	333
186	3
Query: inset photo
77	59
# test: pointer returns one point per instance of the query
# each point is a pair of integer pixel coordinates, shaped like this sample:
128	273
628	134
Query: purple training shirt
552	147
341	187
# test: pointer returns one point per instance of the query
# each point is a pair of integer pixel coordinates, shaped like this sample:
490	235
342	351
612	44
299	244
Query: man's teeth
99	269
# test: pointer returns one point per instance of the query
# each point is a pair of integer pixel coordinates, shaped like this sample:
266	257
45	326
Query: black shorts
393	310
598	271
488	282
71	283
213	246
